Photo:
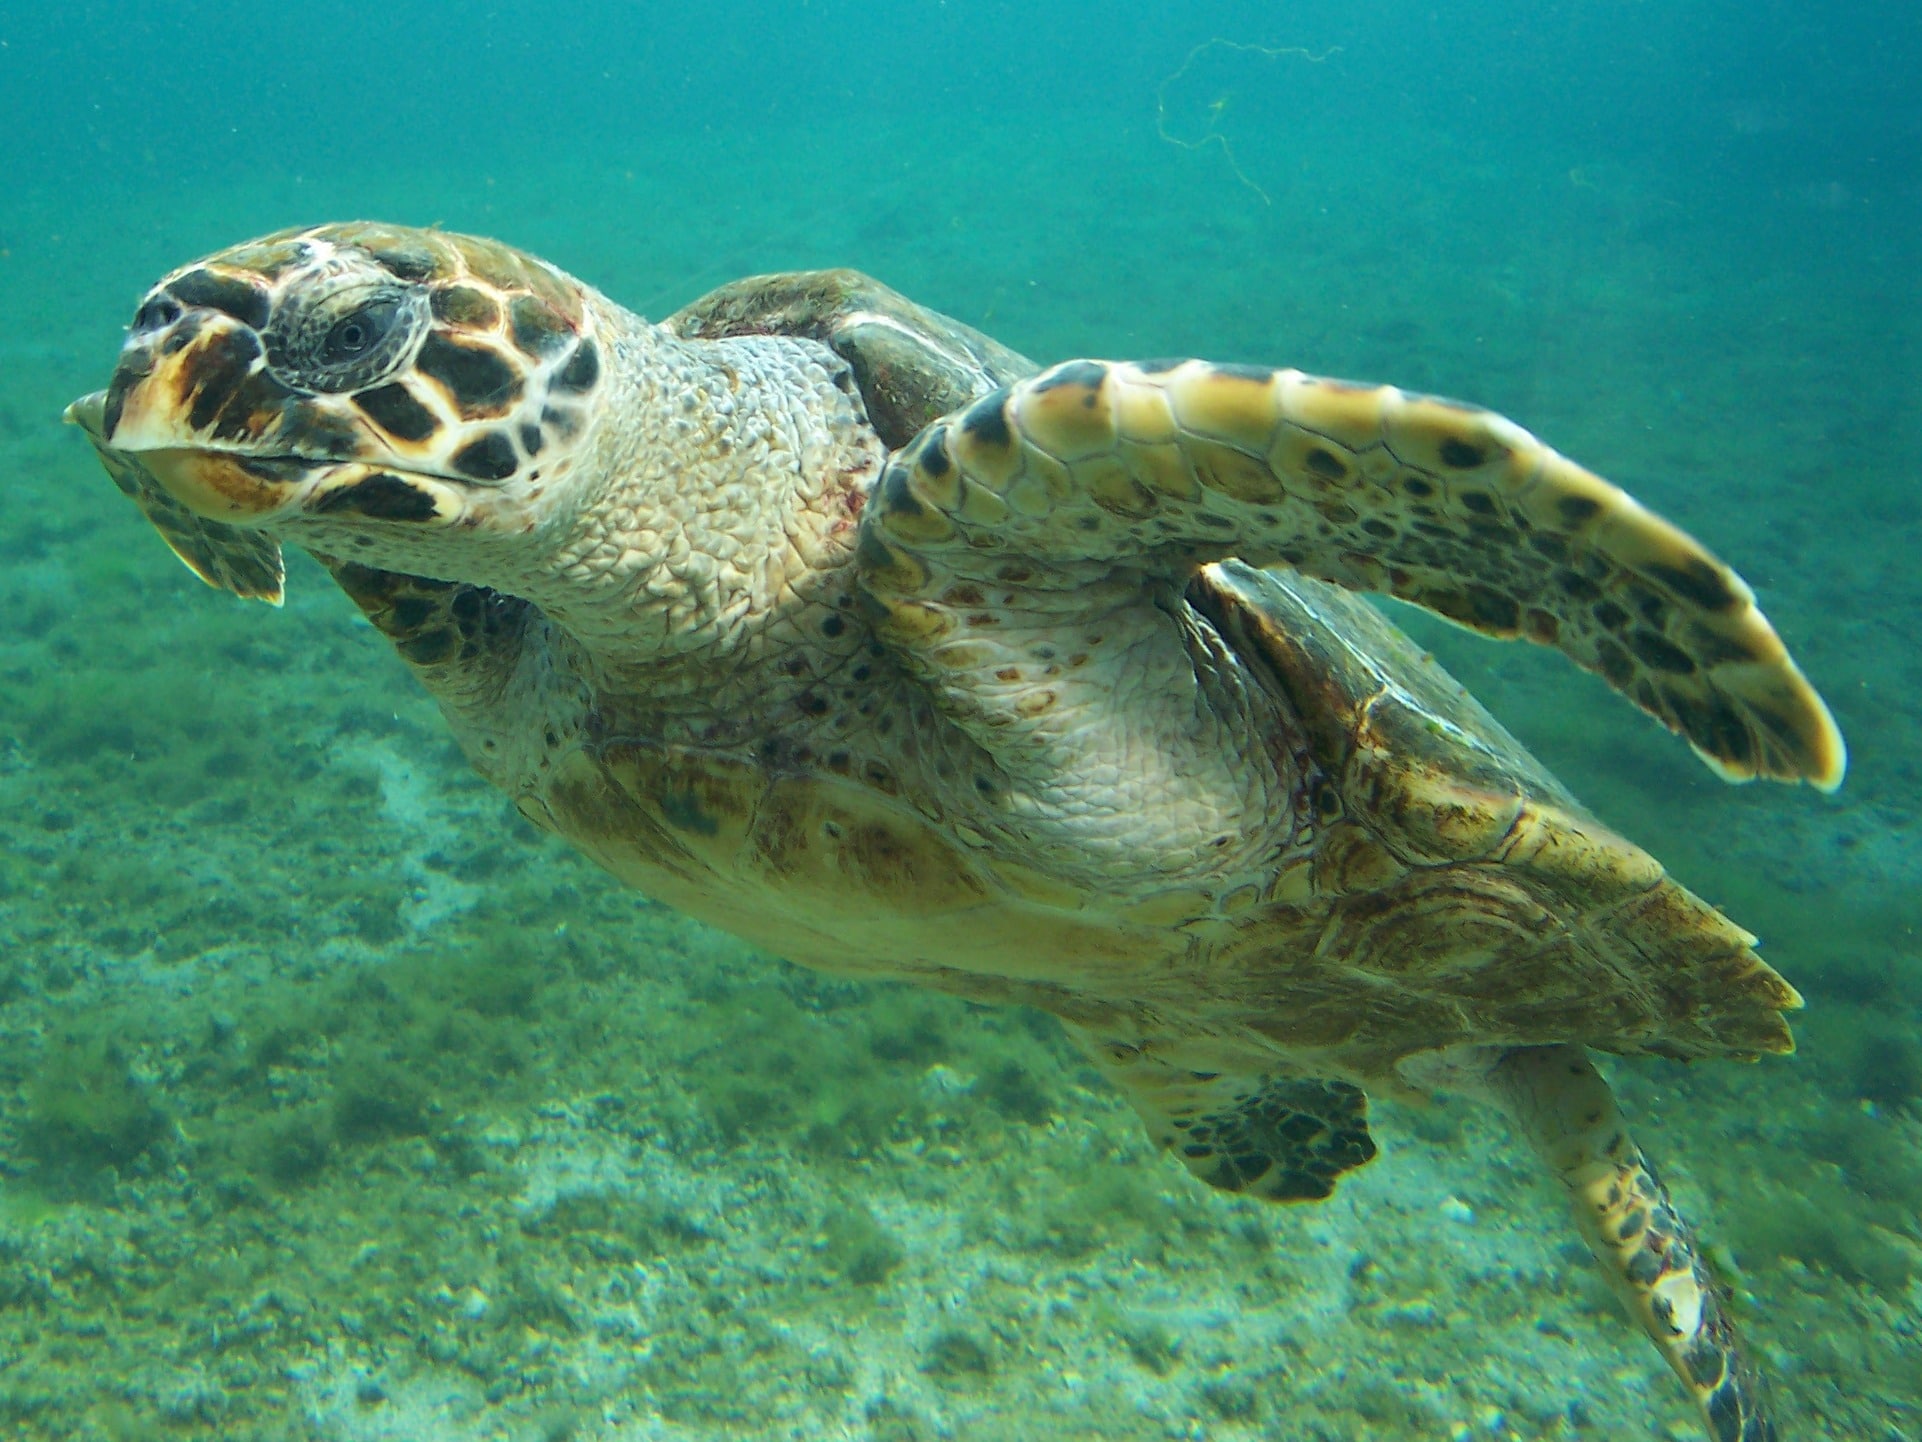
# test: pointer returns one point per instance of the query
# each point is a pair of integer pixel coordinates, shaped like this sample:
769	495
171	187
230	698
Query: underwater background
335	1103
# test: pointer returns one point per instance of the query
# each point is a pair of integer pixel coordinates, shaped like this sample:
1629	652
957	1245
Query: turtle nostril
158	312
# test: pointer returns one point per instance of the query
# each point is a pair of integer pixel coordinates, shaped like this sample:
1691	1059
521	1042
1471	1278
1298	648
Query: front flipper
1626	1216
463	642
1275	1136
1165	467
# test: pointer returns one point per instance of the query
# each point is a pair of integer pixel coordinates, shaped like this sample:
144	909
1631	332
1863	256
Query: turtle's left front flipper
1652	1259
1168	466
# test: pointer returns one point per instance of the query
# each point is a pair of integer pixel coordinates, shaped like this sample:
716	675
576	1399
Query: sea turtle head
369	379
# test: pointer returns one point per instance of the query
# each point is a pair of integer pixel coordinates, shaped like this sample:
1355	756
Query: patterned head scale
354	370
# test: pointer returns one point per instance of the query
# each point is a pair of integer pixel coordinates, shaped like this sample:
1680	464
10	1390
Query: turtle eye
354	335
345	338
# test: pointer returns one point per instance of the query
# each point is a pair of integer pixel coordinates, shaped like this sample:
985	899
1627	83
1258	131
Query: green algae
958	1358
854	1245
86	1111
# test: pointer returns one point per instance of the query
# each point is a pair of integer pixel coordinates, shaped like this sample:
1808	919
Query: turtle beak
90	414
193	400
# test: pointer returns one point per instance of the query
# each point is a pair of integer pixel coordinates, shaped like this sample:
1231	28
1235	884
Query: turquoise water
336	1104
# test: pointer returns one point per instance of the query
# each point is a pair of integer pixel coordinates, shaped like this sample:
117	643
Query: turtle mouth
232	486
209	480
193	406
255	489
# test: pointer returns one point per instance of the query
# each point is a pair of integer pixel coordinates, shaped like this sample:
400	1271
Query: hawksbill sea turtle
838	625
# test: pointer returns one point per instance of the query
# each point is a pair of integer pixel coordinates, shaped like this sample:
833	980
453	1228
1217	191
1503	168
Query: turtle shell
1458	894
911	364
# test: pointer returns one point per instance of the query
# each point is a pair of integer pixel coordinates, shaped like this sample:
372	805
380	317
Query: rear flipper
1276	1136
1651	1256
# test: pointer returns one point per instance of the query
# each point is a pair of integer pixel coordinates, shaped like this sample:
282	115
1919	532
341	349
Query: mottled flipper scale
1630	1223
1276	1136
245	562
1451	508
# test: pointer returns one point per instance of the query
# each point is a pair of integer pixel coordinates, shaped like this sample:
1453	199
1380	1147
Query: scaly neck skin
715	495
691	549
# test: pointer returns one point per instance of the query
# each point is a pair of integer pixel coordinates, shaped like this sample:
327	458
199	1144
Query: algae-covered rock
86	1111
855	1246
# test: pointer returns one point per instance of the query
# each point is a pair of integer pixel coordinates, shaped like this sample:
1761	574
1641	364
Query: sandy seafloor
336	1104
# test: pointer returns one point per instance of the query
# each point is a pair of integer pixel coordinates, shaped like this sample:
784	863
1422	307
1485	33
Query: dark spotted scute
1694	580
269	257
896	497
1326	464
491	458
393	408
184	333
217	373
320	430
1083	373
934	457
123	381
1659	653
410	613
244	301
478	381
1614	664
489	260
430	621
136	364
549	287
986	421
257	404
1480	607
462	305
582	370
383	497
538	329
1577	509
405	258
155	312
1256	375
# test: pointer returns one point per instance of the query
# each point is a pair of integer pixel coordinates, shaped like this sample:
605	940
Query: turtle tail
1631	1225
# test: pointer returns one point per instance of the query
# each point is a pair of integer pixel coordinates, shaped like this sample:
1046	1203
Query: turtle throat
711	509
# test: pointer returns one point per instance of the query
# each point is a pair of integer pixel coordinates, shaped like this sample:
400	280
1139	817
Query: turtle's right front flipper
1168	466
1652	1259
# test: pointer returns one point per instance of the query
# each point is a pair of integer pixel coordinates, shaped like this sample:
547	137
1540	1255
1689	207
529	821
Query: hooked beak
194	404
